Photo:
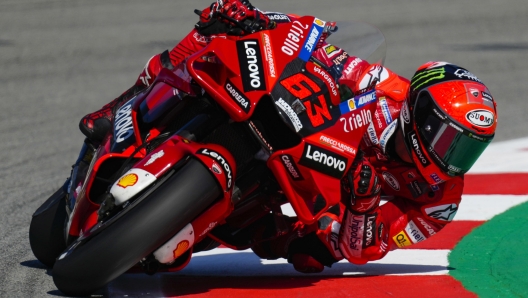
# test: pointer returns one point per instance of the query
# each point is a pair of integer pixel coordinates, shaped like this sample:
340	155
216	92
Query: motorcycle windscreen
453	148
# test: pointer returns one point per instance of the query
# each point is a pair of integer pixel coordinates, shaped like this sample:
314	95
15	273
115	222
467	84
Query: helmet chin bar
405	121
401	148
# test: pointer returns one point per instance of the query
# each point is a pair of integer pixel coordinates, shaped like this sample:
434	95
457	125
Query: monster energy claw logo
426	76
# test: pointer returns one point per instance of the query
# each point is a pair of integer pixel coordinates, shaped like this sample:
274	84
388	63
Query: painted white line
226	262
484	207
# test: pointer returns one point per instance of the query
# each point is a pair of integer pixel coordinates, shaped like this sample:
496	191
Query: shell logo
319	22
351	105
128	180
181	248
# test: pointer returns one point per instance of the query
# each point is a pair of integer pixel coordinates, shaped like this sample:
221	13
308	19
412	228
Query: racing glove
238	11
362	187
363	237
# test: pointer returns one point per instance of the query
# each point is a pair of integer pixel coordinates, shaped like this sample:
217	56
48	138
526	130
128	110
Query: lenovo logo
323	161
250	62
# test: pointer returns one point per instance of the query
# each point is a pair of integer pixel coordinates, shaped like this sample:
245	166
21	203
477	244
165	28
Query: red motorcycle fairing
306	97
216	158
238	71
127	138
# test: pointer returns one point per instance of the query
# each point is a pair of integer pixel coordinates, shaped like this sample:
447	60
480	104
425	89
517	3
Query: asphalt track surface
61	59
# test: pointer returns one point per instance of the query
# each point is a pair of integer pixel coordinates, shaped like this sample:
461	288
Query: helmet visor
452	147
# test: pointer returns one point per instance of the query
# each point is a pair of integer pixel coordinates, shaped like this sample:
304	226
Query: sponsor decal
278	17
337	145
352	65
354	226
181	248
331	50
402	240
369	234
365	99
404	112
415	188
176	246
487	96
216	169
455	127
285	107
356	120
454	169
378	119
391	180
376	74
201	39
440	115
250	62
482	118
442	212
387	133
325	76
123	126
154	157
373	137
426	226
357	102
435	187
209	228
464	74
418	150
319	22
313	38
427	76
385	110
223	162
474	92
436	178
130	184
339	59
237	96
323	161
414	232
288	163
291	43
269	55
128	180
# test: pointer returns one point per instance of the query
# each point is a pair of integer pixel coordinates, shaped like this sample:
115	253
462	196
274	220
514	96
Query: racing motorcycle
197	161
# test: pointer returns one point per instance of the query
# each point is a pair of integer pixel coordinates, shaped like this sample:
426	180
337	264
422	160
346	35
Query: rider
424	135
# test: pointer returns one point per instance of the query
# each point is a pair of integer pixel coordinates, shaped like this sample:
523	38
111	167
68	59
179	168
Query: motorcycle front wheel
102	255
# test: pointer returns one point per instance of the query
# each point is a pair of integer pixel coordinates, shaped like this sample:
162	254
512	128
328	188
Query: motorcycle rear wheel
46	231
132	234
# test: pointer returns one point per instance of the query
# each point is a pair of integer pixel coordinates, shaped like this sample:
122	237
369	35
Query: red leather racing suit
416	210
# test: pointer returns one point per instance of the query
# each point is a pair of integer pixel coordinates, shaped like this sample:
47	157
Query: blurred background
61	59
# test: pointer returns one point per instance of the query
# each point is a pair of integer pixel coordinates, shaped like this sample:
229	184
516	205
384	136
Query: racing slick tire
106	252
46	230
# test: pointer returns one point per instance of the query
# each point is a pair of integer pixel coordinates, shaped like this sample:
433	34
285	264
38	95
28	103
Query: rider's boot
96	125
304	250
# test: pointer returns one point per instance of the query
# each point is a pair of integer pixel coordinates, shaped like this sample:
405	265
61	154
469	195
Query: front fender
216	158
